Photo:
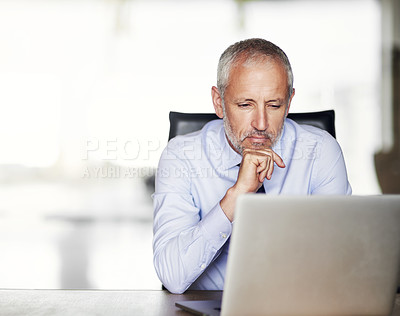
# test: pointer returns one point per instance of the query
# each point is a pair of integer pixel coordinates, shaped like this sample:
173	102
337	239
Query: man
254	147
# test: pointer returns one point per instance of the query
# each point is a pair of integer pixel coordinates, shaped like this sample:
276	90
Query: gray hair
249	51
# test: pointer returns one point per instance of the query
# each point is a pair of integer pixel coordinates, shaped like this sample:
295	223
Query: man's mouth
258	139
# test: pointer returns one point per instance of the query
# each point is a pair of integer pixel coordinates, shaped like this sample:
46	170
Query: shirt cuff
216	226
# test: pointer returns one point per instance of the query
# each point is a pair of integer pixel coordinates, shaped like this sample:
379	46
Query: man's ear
217	101
289	103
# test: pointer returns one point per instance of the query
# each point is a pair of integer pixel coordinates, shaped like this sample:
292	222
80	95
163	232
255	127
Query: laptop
310	255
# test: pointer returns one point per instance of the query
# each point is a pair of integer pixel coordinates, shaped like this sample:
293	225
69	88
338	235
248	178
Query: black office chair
183	123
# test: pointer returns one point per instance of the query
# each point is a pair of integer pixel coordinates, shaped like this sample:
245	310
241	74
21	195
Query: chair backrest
183	123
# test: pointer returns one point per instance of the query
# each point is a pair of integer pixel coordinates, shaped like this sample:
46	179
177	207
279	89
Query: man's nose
260	119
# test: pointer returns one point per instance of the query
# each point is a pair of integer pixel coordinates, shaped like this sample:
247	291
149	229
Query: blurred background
85	91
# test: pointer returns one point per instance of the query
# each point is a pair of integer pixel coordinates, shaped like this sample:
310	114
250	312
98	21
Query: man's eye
276	106
243	105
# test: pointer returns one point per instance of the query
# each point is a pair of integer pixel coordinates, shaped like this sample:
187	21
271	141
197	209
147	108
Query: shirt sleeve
184	244
330	175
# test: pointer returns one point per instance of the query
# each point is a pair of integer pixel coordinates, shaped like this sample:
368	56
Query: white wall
80	74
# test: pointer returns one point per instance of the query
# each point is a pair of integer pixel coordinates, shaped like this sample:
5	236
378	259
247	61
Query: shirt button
223	235
203	266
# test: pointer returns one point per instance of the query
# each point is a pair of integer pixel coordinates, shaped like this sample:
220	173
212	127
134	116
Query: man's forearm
180	258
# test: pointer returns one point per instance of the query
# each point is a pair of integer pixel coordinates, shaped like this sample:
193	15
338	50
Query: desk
88	302
96	302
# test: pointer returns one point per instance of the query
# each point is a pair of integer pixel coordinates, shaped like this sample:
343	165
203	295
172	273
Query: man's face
255	105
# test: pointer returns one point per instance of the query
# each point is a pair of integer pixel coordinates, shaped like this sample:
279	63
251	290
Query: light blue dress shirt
191	232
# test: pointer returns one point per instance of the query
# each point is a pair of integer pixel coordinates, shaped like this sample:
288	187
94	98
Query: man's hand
256	166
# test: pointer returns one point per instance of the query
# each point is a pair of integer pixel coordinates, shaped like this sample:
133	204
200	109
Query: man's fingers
267	152
270	170
262	166
262	175
279	161
262	161
263	172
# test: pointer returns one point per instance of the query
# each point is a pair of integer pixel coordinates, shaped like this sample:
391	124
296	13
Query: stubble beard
238	143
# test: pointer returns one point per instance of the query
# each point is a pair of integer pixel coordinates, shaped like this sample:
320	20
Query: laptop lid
315	255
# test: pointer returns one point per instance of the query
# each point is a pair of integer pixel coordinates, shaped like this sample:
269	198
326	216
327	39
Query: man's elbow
173	285
176	288
172	280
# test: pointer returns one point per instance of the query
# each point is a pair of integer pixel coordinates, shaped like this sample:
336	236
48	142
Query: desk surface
87	302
